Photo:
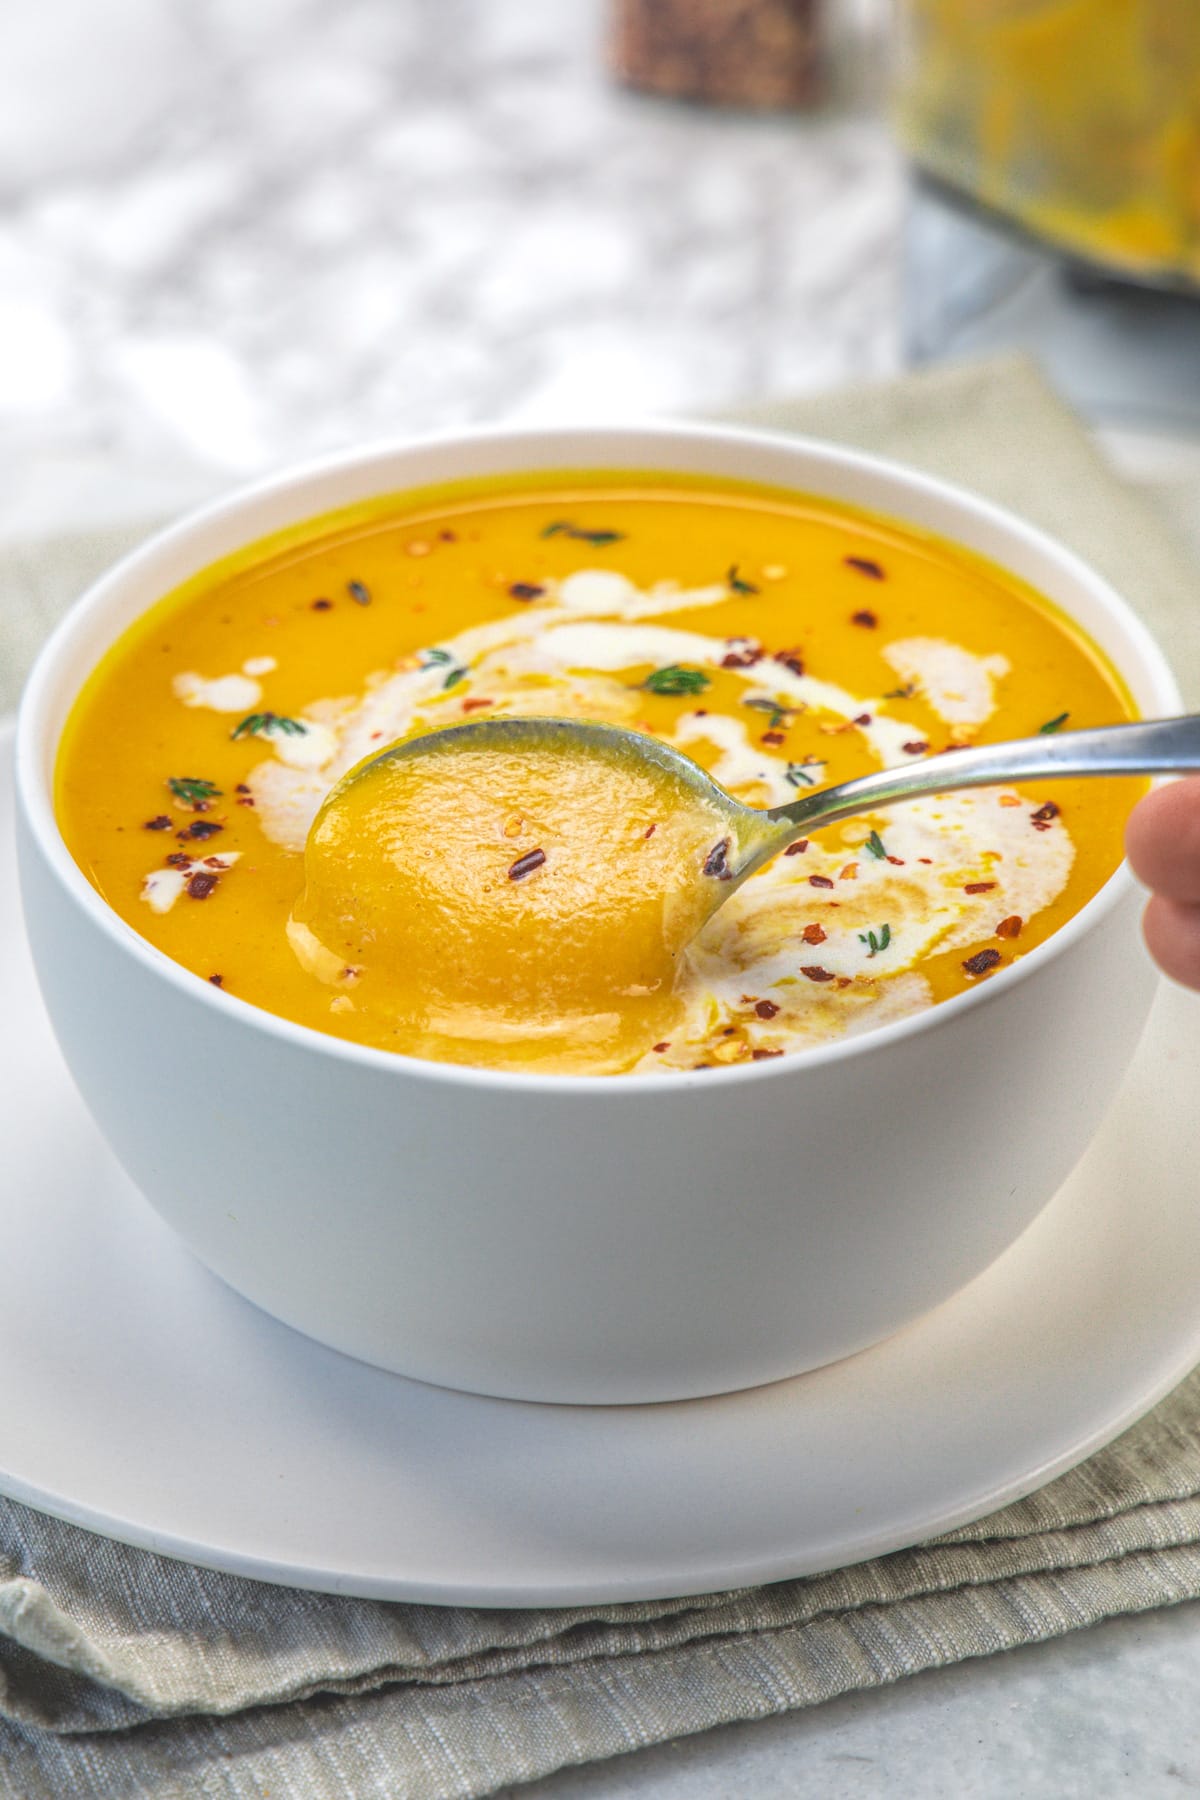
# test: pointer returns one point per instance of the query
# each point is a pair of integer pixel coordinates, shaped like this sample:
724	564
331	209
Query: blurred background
238	232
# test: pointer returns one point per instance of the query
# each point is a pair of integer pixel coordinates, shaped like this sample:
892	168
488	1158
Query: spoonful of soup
538	879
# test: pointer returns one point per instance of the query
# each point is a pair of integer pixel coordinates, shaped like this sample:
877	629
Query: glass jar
1057	145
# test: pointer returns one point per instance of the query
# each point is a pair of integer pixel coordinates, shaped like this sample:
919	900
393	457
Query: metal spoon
754	835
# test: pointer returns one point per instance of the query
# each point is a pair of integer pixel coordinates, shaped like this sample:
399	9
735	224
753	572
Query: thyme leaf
875	845
564	528
454	677
901	693
736	584
675	678
1055	724
265	723
778	712
876	941
192	790
435	658
801	774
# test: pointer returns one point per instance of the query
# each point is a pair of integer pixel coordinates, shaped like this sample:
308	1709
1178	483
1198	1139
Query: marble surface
233	234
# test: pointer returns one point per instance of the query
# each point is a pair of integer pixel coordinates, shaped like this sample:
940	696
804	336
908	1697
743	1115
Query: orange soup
782	641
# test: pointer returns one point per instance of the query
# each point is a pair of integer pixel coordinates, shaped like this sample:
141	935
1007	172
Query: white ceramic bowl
585	1238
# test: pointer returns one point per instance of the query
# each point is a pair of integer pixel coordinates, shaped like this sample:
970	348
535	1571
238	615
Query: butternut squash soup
498	912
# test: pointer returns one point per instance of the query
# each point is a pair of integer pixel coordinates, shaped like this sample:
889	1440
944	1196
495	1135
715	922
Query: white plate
141	1398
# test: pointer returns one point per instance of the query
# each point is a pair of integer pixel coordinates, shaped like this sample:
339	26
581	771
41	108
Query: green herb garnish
435	658
801	774
736	583
778	713
454	677
675	679
563	528
265	723
875	845
901	693
192	790
1054	724
876	941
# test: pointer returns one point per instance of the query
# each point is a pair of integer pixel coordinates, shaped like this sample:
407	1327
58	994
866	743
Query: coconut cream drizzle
804	946
161	888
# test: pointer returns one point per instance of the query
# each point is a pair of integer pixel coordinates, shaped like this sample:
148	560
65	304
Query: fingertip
1172	934
1162	840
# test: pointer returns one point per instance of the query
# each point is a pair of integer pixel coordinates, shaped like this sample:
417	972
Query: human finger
1172	933
1162	840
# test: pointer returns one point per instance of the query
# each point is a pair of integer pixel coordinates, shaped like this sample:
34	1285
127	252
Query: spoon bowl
755	835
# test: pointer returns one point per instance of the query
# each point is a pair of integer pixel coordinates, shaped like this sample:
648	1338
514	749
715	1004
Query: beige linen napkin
122	1672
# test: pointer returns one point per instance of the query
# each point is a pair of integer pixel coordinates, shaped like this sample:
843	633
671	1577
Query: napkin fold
123	1672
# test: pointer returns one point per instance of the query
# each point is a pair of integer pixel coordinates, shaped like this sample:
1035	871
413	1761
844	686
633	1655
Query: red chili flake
862	719
160	822
1042	817
201	885
798	848
177	860
241	788
650	831
917	747
659	1048
822	881
217	980
898	860
215	862
815	972
864	618
982	961
525	865
772	737
525	590
762	1055
743	653
1010	927
470	706
865	565
715	863
813	934
448	537
700	712
791	659
322	605
203	828
729	1030
843	981
766	1009
245	800
979	887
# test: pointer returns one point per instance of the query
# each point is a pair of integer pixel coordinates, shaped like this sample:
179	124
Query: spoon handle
1149	747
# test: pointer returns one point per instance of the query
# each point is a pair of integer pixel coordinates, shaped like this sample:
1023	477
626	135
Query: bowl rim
34	794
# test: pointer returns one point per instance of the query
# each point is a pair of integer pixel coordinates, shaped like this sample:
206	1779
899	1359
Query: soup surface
781	641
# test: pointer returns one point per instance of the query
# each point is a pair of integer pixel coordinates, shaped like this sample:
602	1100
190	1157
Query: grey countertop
231	235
